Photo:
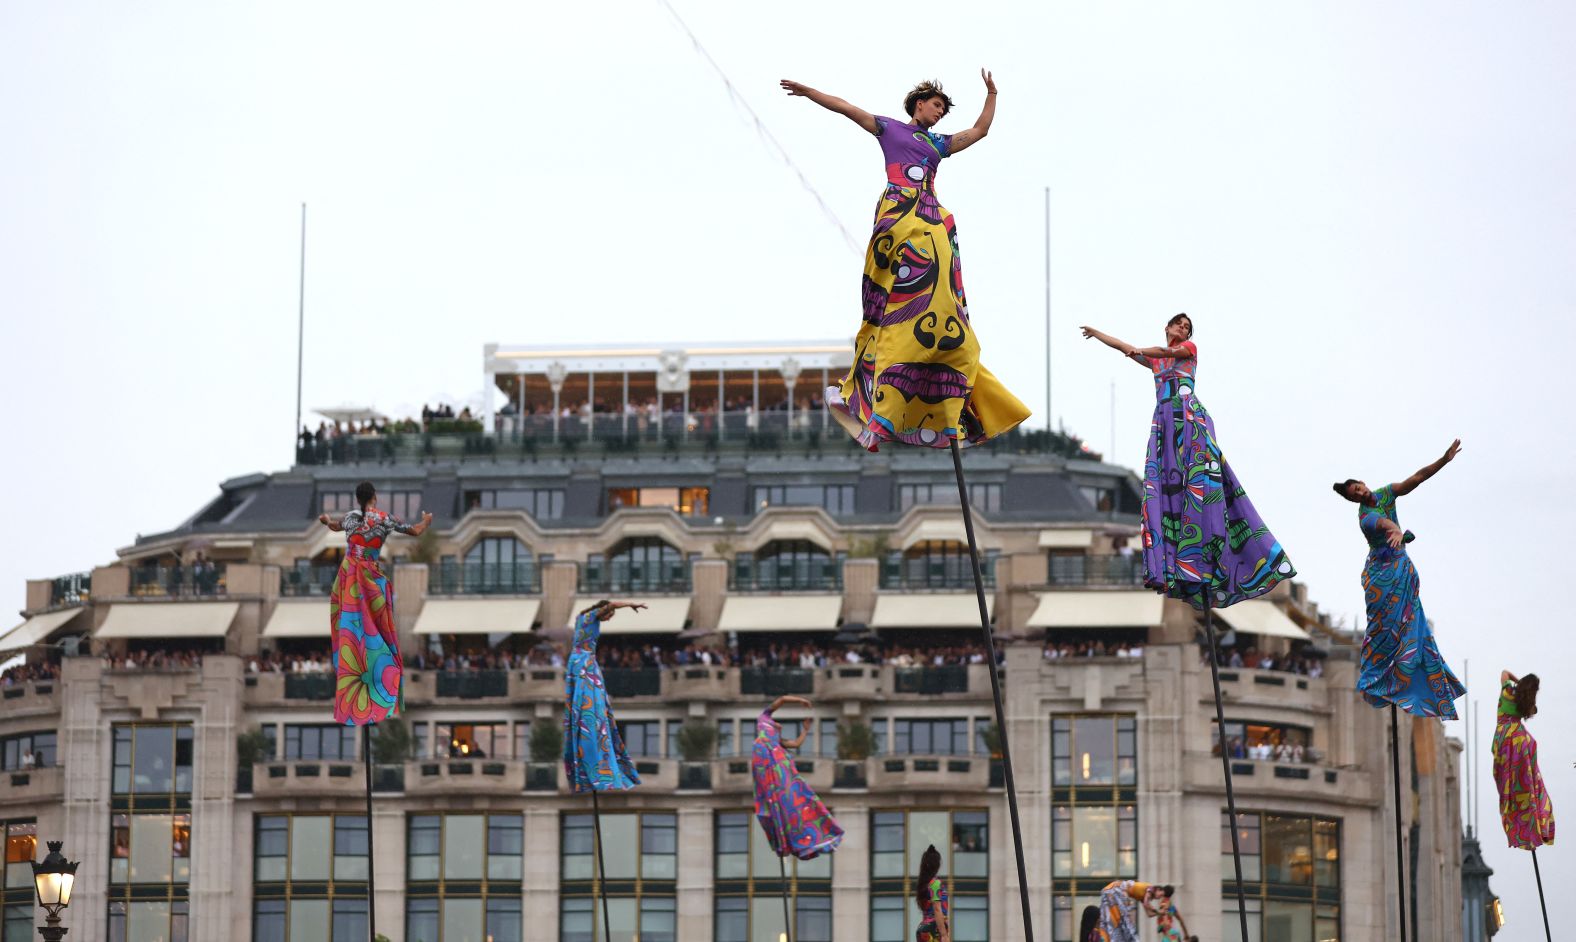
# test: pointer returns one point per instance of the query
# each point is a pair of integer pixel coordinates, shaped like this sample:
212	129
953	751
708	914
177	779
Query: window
129	922
642	858
405	505
642	737
898	839
474	850
725	733
984	497
639	564
27	751
946	737
748	887
475	740
833	498
1253	740
1094	811
1094	750
309	874
492	564
687	501
788	565
16	884
1102	498
154	759
936	564
542	503
1291	874
320	742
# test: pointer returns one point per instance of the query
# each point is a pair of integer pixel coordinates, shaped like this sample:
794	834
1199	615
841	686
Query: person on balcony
935	923
916	376
361	613
594	754
1401	664
1203	540
1119	905
1524	806
794	819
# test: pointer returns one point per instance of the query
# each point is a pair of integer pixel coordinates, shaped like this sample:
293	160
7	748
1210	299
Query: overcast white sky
1368	210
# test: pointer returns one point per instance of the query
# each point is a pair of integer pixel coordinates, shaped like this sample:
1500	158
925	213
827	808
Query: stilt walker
594	756
794	819
1524	806
1204	542
916	378
367	663
1400	666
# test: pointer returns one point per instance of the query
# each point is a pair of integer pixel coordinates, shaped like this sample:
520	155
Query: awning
1097	610
36	629
169	620
1066	539
1260	617
780	613
298	620
664	616
477	616
948	530
921	610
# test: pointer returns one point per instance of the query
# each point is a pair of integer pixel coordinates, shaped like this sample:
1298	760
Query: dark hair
365	492
1342	486
929	866
1168	890
1089	922
596	607
1189	323
1526	696
924	90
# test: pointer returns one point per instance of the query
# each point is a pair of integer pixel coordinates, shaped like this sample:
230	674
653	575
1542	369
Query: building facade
205	788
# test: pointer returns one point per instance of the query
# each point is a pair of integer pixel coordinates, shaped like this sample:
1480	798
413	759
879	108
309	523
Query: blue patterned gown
594	756
1400	662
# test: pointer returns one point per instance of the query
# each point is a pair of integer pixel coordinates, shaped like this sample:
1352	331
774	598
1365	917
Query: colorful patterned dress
1524	806
916	376
594	756
1169	924
1400	662
361	616
1119	911
794	819
1200	529
929	928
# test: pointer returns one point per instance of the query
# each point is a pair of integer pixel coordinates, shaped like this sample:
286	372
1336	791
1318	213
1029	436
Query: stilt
1541	904
372	917
995	689
601	869
1400	855
1225	760
782	868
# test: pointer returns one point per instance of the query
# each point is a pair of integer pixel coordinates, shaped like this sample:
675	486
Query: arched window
786	565
499	564
936	564
638	564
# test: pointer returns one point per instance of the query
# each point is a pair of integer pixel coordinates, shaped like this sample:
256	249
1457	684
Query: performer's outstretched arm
852	112
981	126
1410	484
329	522
1120	346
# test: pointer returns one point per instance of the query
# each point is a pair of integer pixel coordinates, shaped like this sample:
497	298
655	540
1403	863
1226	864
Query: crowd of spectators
27	673
1058	651
153	660
1264	750
1251	657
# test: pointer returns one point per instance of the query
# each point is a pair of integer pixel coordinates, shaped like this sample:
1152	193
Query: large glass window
687	501
936	564
785	565
16	884
898	839
320	742
984	497
156	921
1094	812
152	760
150	831
1291	873
748	886
543	503
638	564
835	499
309	878
27	751
493	564
476	740
947	737
1280	742
641	867
484	855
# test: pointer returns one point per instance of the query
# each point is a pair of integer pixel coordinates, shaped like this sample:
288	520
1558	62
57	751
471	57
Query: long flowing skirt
793	817
366	647
916	377
1201	533
1524	806
594	755
1118	913
1401	664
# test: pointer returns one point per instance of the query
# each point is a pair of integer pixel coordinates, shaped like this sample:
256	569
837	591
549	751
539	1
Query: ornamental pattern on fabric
916	377
1400	663
936	909
367	664
1524	806
1201	532
1118	913
793	817
594	755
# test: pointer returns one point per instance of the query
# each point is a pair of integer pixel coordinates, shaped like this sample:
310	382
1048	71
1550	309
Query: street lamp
53	877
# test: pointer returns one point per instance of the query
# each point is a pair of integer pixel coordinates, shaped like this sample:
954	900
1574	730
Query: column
556	374
696	867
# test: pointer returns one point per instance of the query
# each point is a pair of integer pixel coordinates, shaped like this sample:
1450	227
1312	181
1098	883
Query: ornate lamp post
53	877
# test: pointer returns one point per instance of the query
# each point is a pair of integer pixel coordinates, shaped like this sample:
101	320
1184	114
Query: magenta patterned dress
794	819
1524	806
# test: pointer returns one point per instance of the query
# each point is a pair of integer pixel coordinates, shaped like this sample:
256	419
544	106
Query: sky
1368	210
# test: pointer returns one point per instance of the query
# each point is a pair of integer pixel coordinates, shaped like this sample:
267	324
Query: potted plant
855	743
547	750
697	740
992	736
251	747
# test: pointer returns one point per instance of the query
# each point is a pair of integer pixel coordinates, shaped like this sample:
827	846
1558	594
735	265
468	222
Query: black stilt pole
1541	904
995	689
1400	855
372	916
782	868
1225	759
601	869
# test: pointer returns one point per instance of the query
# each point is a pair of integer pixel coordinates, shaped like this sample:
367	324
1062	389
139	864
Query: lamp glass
49	888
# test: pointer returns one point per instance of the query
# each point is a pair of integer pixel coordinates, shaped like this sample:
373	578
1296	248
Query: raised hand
797	89
1452	451
990	83
426	517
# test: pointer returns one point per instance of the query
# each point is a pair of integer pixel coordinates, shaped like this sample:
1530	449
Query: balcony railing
950	678
518	578
936	572
178	581
633	681
72	589
775	681
619	576
768	575
315	686
473	685
1109	569
307	580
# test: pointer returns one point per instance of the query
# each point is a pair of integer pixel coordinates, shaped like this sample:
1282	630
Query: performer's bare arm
796	742
852	112
1393	534
417	529
1120	346
330	522
1410	484
789	698
1506	677
981	126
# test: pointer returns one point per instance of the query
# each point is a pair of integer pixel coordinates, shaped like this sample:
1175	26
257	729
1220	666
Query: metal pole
372	917
1047	310
995	689
1225	760
782	868
300	328
601	869
1541	904
1400	858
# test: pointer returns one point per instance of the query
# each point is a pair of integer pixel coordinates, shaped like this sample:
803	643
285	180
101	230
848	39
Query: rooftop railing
307	580
71	589
178	581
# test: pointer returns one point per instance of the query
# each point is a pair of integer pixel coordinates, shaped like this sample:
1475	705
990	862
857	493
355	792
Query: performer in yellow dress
916	376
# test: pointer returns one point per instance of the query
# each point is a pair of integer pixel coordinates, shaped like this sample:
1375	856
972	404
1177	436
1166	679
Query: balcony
931	681
1270	688
430	777
1097	570
621	577
632	681
307	581
698	682
456	578
929	773
1282	781
767	574
316	777
851	682
72	589
32	698
776	681
178	581
935	572
32	786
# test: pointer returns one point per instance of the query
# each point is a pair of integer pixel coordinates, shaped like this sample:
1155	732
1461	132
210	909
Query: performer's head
1354	490
366	494
929	866
927	103
1167	891
1178	329
604	610
1526	695
1089	922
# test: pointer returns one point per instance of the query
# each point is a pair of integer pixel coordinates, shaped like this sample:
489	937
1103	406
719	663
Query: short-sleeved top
370	528
1369	515
938	907
1181	370
911	152
1507	701
1137	890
